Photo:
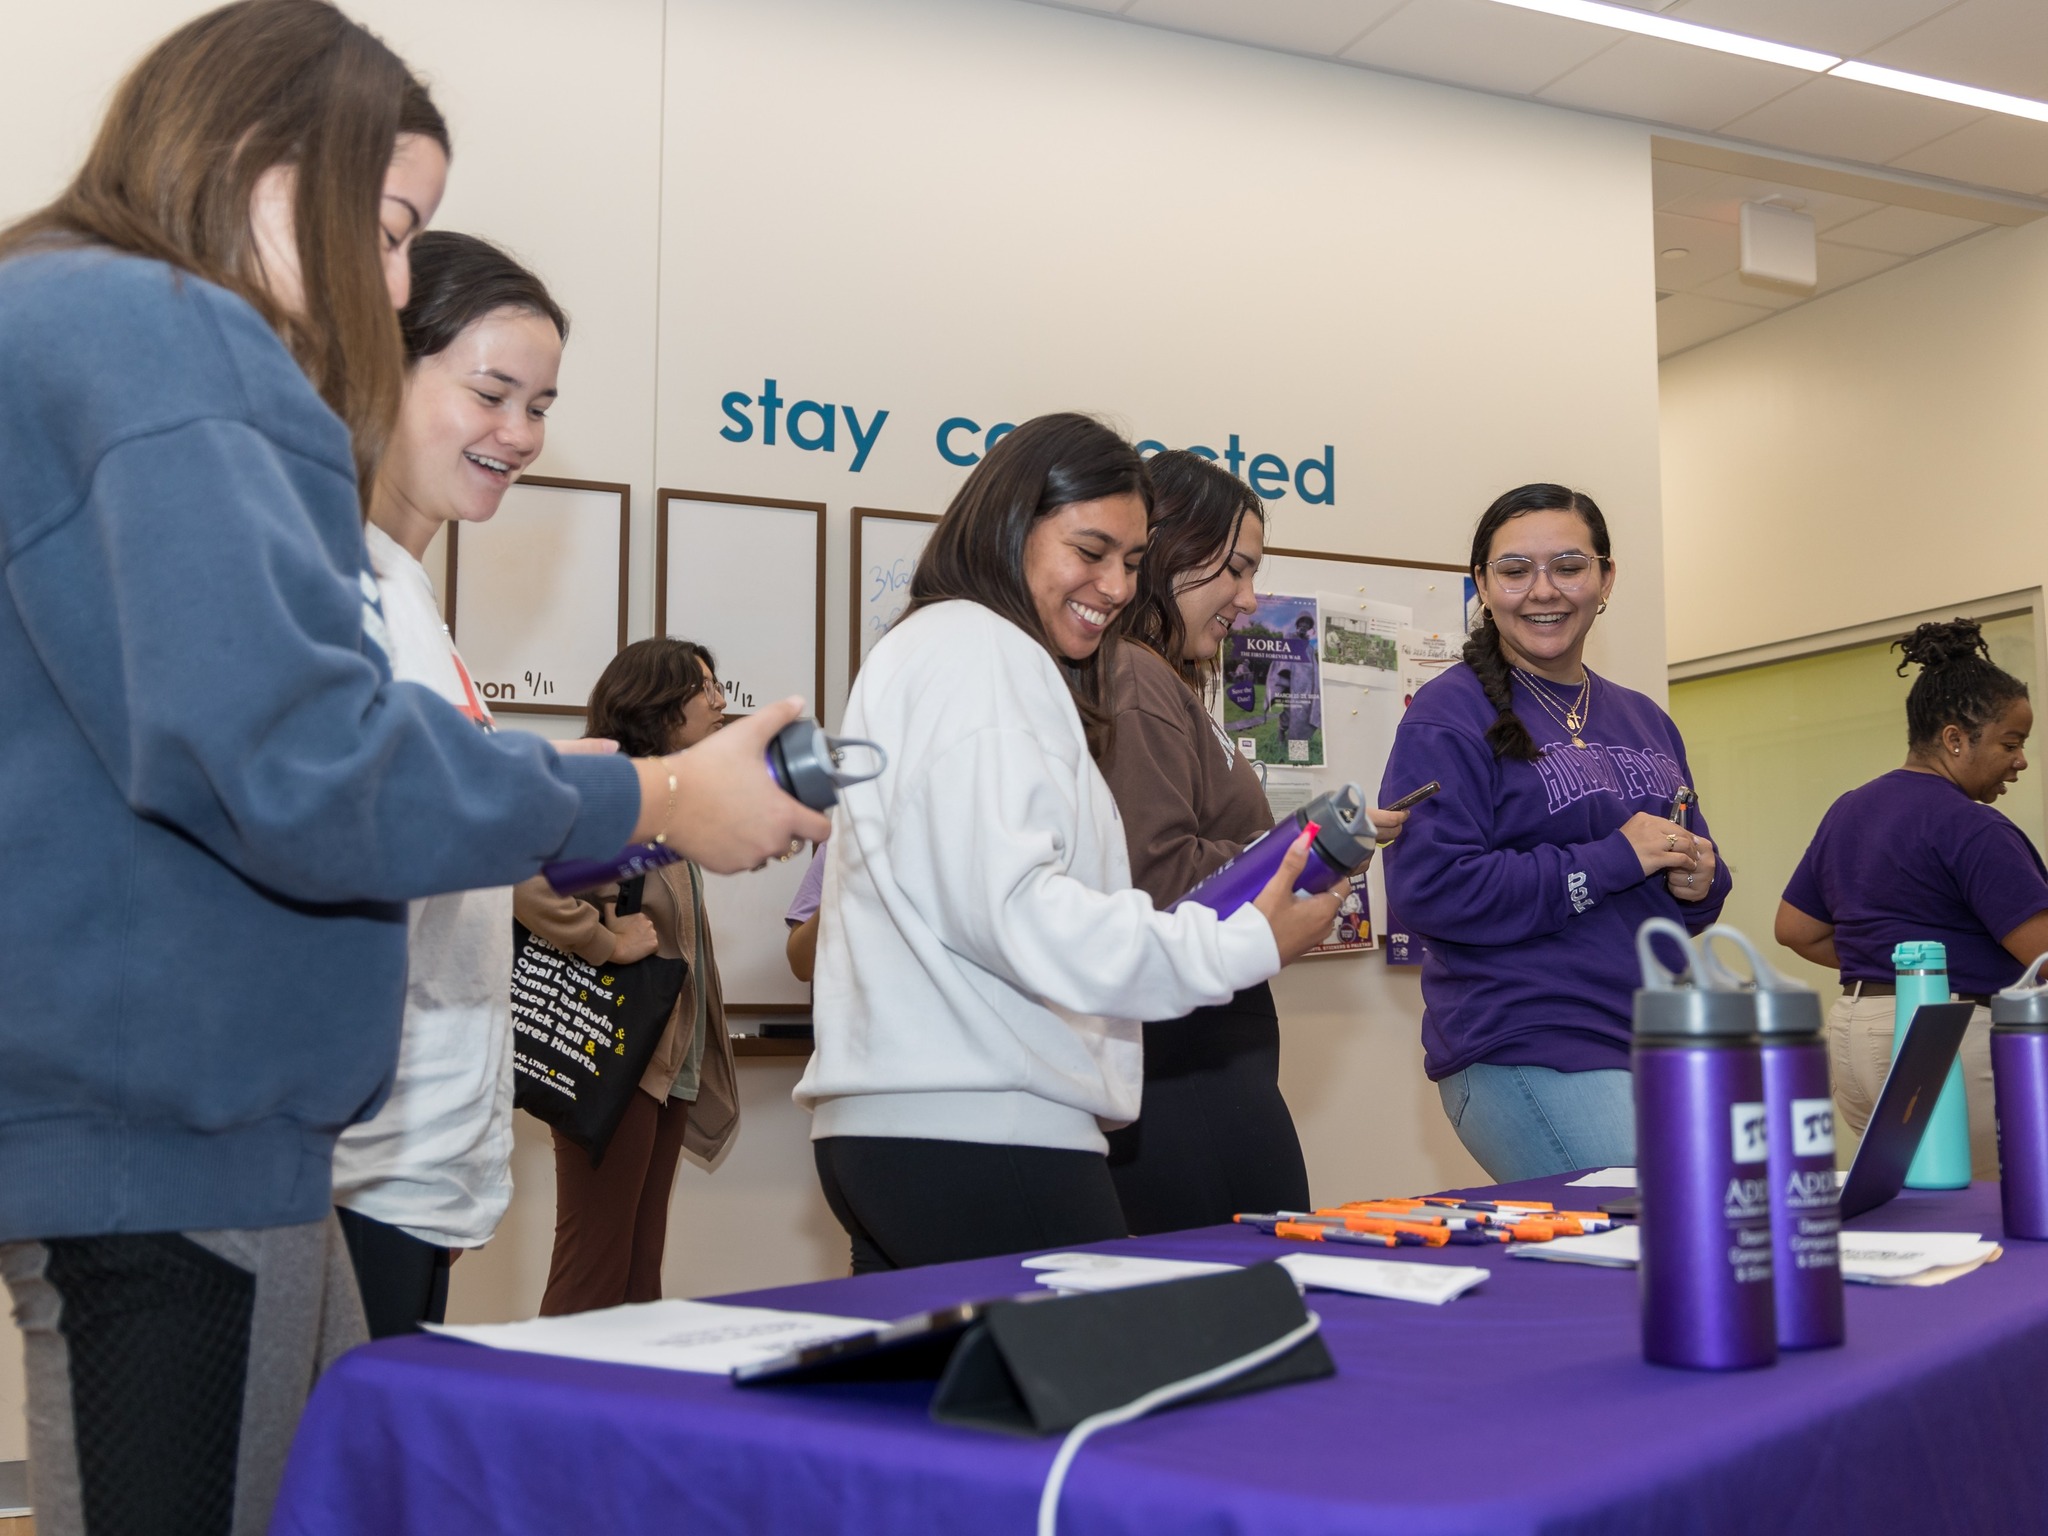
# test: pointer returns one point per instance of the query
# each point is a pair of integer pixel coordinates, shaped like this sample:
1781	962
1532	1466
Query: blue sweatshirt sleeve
1446	875
193	616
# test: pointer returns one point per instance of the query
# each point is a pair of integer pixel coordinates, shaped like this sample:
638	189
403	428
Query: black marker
1414	797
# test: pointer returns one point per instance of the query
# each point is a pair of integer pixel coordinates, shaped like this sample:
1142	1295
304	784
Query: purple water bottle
1702	1167
1799	1105
2019	1082
1343	846
803	761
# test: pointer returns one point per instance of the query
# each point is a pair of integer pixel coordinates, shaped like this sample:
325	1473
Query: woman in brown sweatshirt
1213	1136
611	1221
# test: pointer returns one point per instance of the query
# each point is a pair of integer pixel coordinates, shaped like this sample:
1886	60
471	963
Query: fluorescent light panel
1652	25
1649	24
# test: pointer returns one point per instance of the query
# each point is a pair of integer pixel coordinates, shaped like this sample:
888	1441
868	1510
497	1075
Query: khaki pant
1860	1054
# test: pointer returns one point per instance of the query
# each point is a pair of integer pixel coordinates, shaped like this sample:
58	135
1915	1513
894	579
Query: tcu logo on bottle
1749	1130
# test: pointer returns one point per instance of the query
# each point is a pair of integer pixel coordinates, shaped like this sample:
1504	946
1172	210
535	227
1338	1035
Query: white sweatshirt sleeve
979	847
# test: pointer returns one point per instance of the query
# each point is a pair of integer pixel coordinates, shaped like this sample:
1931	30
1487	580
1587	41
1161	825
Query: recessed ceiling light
1943	90
1625	19
1652	25
1675	253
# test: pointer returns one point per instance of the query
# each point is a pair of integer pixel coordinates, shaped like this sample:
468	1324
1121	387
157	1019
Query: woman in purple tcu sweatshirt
1548	847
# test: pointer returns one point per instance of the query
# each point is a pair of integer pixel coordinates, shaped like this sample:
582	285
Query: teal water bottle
1943	1161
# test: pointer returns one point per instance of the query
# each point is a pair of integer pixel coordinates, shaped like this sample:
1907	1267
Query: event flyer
1272	693
1361	639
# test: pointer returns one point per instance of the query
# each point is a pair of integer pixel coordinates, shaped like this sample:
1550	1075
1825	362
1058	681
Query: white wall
1873	454
975	207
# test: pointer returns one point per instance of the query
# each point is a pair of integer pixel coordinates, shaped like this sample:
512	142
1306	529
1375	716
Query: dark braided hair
1959	684
1508	737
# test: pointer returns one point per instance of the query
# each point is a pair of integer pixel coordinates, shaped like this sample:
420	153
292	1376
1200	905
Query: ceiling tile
1841	265
1994	151
1476	43
2001	45
1903	231
1732	288
1848	121
1107	7
1712	250
1685	320
1673	83
1722	201
1846	27
1670	180
1300	26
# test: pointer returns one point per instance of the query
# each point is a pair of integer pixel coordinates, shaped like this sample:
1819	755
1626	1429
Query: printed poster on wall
1352	931
1272	691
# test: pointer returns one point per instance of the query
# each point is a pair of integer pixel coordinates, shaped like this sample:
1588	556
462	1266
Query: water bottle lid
1671	1007
1920	955
812	762
2025	1002
1346	838
1784	1008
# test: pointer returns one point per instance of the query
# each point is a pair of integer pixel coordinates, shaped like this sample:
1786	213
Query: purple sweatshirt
1910	856
1520	879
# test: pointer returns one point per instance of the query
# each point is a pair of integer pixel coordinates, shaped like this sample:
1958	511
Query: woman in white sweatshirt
983	959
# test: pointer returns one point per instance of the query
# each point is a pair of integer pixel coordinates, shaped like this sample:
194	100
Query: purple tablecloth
1522	1407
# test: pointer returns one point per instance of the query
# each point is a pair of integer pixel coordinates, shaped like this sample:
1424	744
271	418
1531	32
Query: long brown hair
977	550
1198	511
639	698
214	105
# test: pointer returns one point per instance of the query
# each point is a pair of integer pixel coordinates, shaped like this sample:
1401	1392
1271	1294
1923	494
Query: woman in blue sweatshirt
1548	847
209	767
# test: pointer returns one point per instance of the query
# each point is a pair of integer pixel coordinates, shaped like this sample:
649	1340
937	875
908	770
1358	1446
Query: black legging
1214	1136
906	1202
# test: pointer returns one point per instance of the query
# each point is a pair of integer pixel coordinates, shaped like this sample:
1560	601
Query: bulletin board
537	595
726	569
1385	627
885	550
745	576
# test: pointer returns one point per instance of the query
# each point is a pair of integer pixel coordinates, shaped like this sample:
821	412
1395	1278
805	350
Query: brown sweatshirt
575	925
1189	800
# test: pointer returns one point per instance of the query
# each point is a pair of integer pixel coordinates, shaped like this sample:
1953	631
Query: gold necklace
1575	718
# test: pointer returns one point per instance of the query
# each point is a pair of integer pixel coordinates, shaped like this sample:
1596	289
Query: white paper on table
1394	1279
1911	1258
698	1336
1074	1272
1616	1248
1605	1178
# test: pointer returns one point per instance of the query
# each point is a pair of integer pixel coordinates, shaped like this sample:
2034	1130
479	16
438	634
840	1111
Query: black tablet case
1036	1369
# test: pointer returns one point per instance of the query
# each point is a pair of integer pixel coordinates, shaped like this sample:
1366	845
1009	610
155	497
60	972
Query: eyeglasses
1568	573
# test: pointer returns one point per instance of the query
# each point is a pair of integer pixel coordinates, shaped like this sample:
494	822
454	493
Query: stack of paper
1432	1284
1072	1273
1604	1178
1869	1258
671	1335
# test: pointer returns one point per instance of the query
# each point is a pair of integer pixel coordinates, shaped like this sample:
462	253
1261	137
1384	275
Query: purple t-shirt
1518	876
810	892
1910	856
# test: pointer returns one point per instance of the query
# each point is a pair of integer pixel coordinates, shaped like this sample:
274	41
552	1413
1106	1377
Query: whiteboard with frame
1362	706
537	595
886	546
745	577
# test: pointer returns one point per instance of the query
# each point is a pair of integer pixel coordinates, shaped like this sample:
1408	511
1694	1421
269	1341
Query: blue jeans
1526	1122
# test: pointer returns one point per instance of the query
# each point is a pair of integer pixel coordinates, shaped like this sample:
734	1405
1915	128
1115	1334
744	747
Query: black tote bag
582	1035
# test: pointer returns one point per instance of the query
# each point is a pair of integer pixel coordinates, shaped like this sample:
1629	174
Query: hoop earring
1602	608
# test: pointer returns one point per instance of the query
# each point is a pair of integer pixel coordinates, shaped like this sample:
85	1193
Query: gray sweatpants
166	1371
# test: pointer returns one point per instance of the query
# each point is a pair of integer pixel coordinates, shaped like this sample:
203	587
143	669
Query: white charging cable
1158	1397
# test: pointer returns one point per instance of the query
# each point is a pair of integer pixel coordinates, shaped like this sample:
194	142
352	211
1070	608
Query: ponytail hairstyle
977	551
456	281
171	173
1198	510
1509	738
1959	684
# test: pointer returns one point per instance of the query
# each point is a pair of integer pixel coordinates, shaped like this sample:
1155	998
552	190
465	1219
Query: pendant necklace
1574	717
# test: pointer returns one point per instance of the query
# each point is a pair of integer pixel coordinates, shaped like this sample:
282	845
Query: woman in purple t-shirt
1547	849
1919	854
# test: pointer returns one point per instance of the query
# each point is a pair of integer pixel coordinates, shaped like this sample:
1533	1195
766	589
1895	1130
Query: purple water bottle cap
1671	1007
1785	1010
2024	1004
1344	836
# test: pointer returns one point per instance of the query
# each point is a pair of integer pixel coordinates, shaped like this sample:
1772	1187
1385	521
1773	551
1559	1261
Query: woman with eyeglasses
1548	847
